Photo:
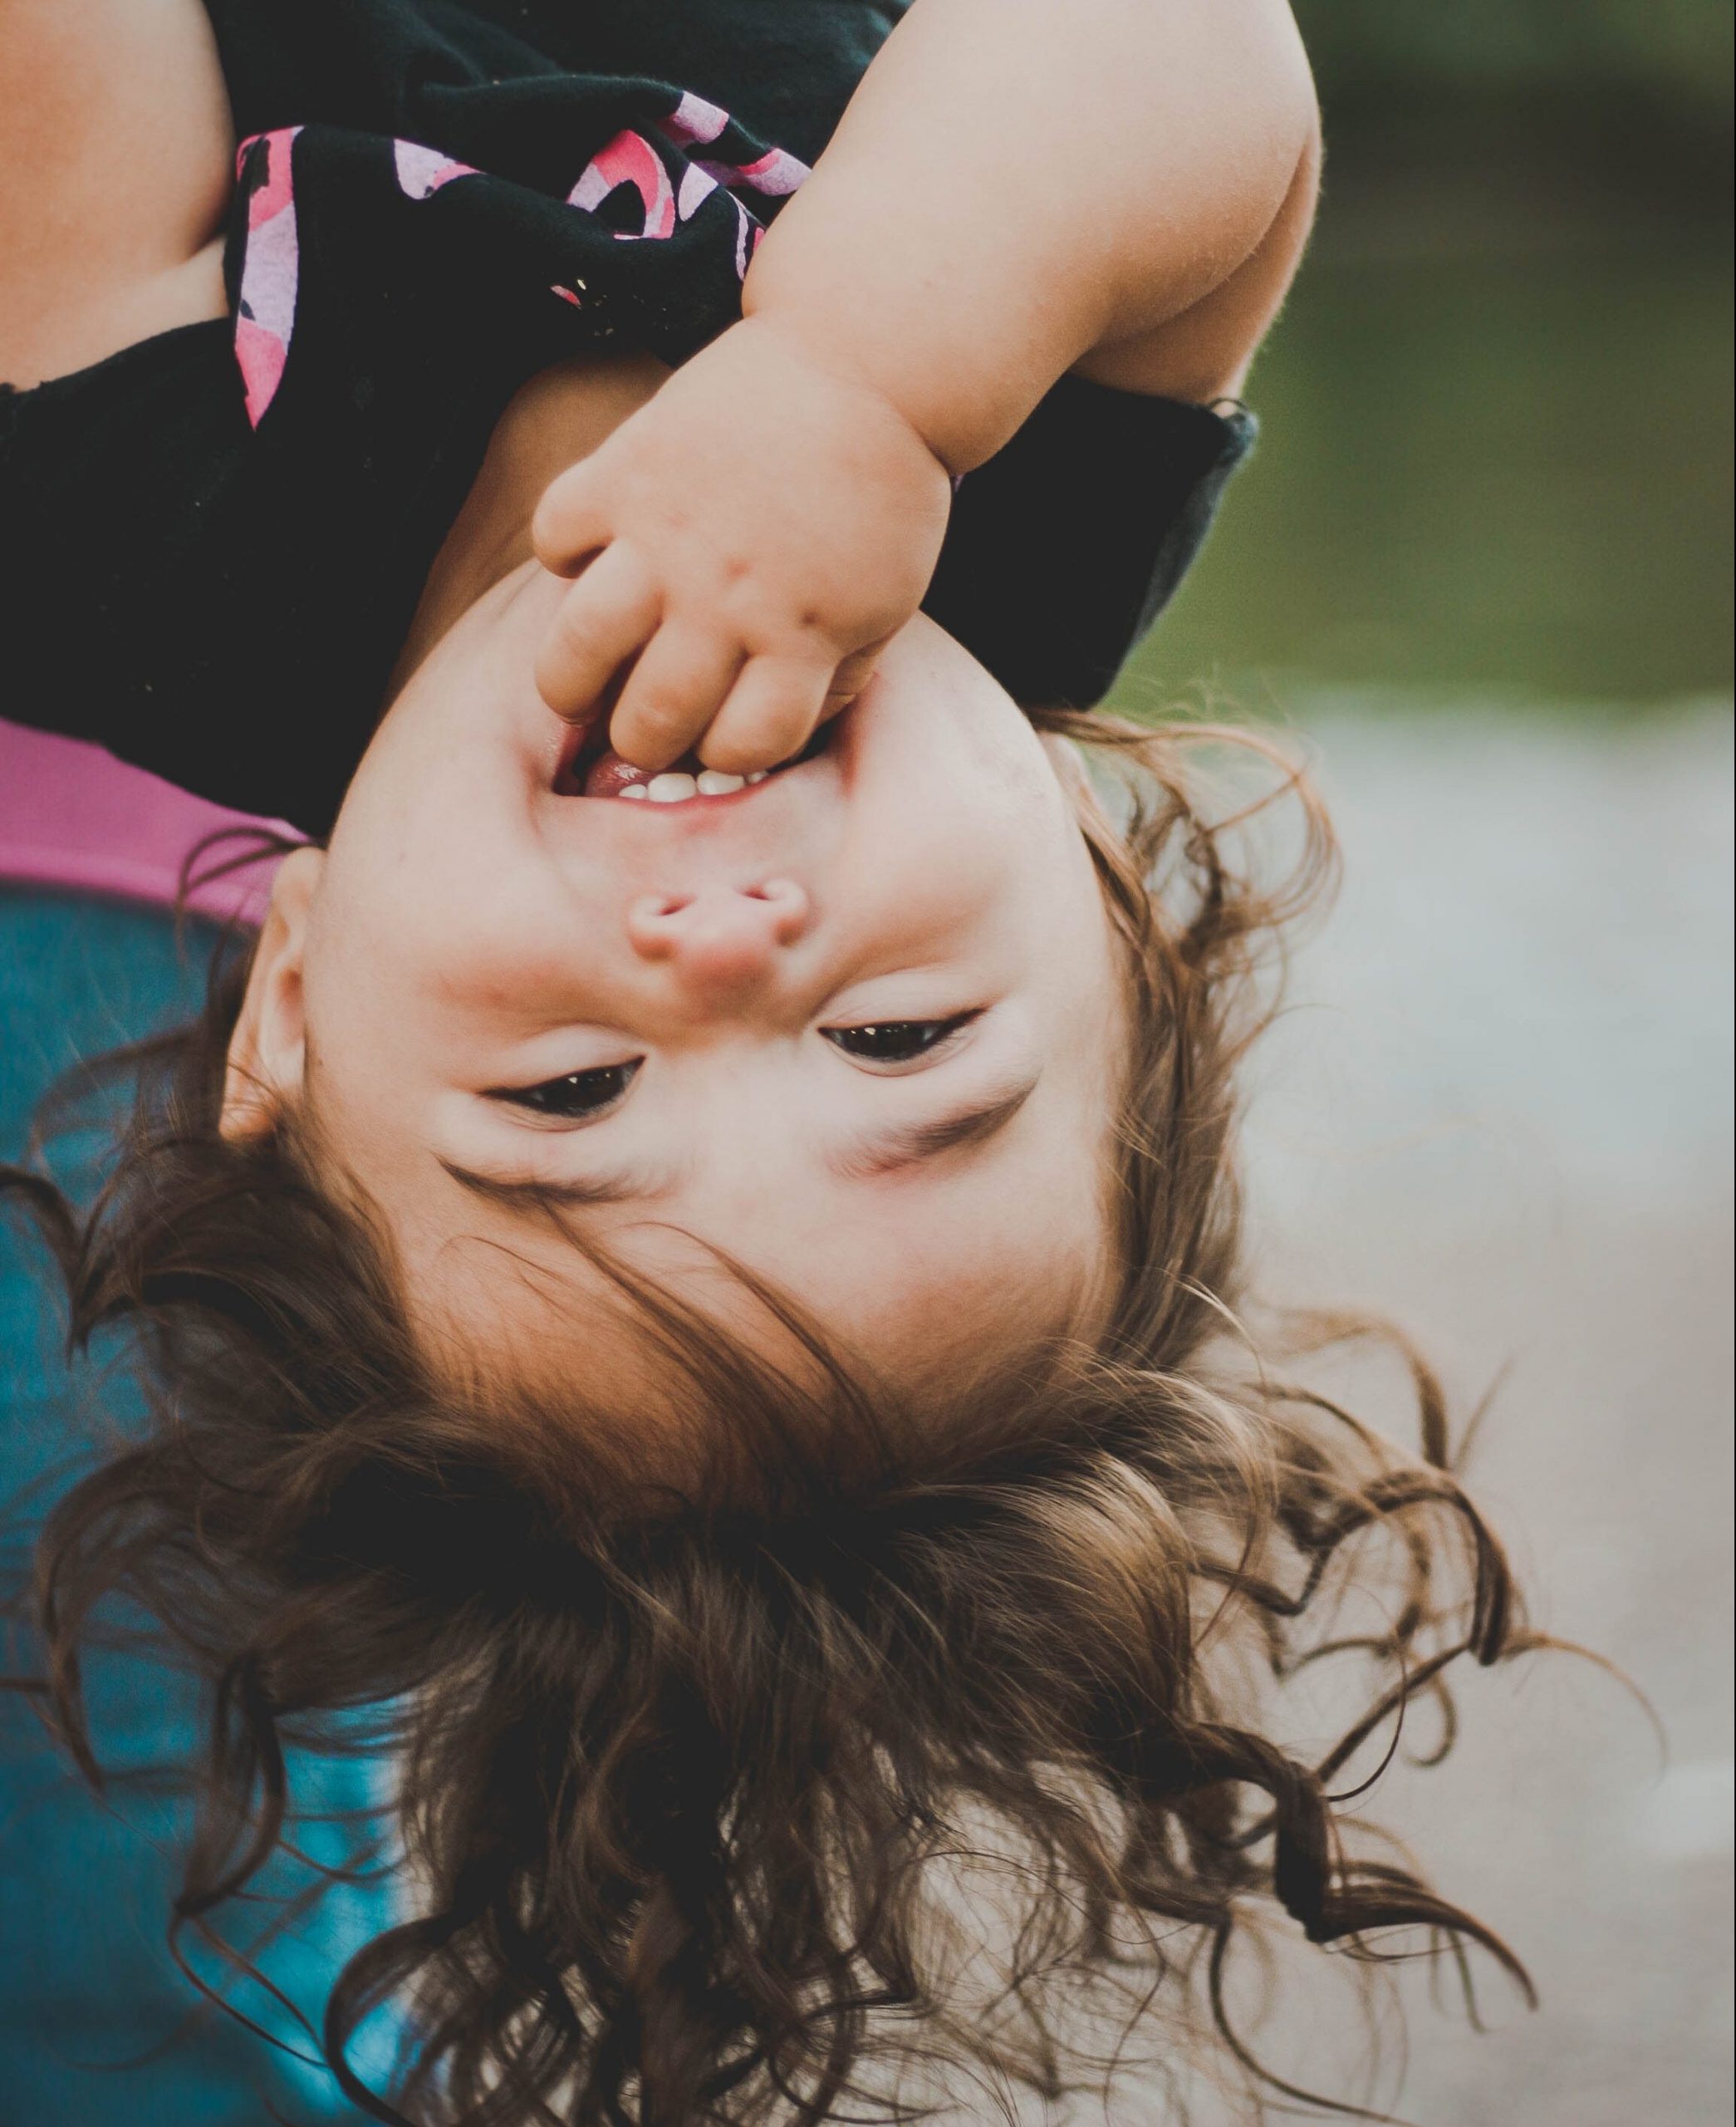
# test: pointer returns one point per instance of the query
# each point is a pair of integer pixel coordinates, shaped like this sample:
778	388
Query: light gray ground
1502	1111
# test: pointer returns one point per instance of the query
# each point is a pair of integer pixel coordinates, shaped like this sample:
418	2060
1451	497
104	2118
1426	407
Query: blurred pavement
1501	1111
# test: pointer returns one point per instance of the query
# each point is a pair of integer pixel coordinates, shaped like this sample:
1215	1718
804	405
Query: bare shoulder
115	174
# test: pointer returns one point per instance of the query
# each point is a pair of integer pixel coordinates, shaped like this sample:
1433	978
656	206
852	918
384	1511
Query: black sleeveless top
212	544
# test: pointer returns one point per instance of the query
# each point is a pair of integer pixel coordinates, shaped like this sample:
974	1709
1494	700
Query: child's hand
753	538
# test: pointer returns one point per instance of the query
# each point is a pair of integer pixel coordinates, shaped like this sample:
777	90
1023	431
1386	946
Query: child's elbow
1254	127
1282	179
1290	104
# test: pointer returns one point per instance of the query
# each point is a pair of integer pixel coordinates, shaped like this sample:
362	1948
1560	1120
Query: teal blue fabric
97	2028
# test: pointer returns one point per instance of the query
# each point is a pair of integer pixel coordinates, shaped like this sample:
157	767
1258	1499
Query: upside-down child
691	1256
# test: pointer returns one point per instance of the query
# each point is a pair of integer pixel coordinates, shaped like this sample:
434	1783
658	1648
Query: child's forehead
915	1298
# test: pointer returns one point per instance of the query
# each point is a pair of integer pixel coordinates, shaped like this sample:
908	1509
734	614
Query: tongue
608	775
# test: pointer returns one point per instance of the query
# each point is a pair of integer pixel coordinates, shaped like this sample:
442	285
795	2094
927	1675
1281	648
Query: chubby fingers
609	615
850	679
673	693
770	714
569	523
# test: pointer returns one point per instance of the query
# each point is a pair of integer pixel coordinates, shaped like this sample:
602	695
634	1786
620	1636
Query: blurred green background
1497	430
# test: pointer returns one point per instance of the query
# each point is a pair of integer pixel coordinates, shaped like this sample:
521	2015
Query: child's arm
1019	188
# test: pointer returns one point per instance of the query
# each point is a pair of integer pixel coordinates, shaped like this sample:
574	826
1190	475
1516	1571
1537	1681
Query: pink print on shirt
265	313
694	123
628	159
271	263
422	171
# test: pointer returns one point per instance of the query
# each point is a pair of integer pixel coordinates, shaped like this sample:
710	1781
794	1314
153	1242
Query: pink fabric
72	816
694	119
270	272
422	171
628	159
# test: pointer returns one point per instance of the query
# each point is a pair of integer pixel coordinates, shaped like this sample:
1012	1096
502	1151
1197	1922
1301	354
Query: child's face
658	1013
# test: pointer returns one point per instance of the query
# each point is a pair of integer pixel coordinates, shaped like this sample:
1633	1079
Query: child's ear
267	1050
1068	762
1072	772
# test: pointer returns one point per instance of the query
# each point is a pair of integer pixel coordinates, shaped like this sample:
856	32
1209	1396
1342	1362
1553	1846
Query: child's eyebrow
890	1150
525	1192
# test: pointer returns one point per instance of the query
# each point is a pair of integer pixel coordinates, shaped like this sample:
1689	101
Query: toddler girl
691	1262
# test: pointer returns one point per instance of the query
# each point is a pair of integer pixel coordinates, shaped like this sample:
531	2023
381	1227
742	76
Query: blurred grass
1680	45
1650	78
1497	411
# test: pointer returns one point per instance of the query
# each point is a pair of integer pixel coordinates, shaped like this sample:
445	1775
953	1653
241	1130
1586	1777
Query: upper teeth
674	785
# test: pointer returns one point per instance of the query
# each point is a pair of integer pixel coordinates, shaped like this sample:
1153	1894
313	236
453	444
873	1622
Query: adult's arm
115	174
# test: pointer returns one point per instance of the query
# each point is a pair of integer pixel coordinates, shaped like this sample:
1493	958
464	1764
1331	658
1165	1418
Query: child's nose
721	938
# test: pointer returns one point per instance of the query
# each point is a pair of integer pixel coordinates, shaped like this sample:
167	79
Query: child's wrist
960	415
844	367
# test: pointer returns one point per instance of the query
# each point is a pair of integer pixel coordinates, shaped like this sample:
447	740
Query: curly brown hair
691	1782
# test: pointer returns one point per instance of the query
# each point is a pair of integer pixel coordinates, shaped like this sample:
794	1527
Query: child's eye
896	1041
577	1097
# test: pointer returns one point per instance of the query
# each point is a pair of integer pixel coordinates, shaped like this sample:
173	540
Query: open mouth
590	769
